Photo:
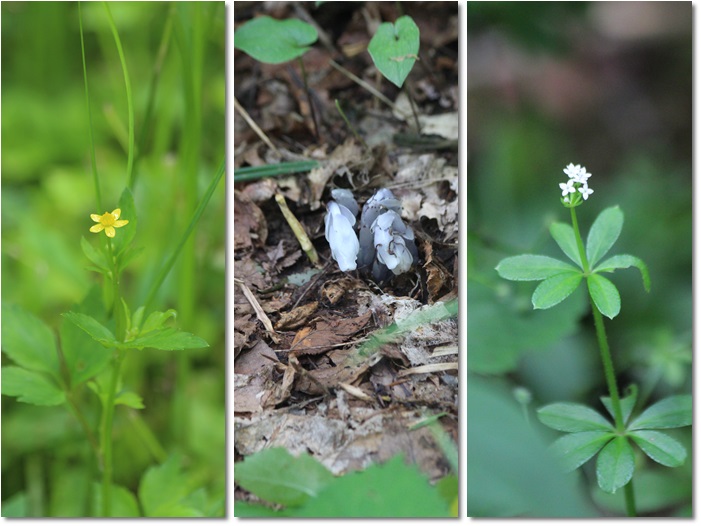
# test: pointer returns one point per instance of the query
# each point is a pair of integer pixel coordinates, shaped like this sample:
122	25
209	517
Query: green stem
130	100
93	160
84	424
609	371
106	435
165	270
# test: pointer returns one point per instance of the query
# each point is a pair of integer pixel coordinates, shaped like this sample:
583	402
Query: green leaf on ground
278	477
615	465
555	289
572	418
660	447
626	261
394	48
382	490
675	411
605	295
275	41
563	234
30	387
603	234
575	449
529	267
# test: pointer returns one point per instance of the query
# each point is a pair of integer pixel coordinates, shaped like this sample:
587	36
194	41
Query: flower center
107	219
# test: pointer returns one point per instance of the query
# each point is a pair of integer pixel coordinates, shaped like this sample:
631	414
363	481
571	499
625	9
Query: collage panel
113	259
345	269
579	288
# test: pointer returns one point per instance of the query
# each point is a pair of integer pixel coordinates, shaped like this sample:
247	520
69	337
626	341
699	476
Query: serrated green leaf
278	477
575	449
84	356
94	255
129	399
30	387
162	488
626	261
627	403
28	341
169	339
572	418
563	234
660	447
529	267
615	465
555	289
394	48
674	411
603	234
605	295
378	492
94	328
275	41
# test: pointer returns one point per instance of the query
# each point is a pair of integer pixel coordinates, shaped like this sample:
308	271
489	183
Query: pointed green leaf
660	447
156	320
563	234
394	48
555	289
84	356
28	341
603	234
275	41
94	328
575	449
615	465
626	261
94	255
169	339
276	476
528	267
605	295
674	411
30	387
627	403
572	418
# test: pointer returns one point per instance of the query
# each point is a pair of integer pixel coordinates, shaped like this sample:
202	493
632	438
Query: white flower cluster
385	244
577	182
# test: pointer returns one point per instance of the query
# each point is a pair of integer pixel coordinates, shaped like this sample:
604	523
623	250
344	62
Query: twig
430	368
260	133
298	230
309	98
352	128
260	314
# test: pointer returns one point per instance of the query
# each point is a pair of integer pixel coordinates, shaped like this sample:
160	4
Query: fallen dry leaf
327	333
297	316
250	226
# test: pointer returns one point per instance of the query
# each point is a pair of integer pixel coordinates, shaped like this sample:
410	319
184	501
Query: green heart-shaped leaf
275	41
394	49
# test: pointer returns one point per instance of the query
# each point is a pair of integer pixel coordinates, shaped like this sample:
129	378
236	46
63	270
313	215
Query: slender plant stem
413	108
350	126
80	417
607	361
309	97
106	435
165	270
130	100
96	180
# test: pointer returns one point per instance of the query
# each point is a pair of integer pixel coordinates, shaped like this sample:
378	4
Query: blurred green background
48	196
606	85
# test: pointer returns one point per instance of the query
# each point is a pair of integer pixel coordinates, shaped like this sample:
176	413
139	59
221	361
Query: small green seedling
394	49
275	41
590	433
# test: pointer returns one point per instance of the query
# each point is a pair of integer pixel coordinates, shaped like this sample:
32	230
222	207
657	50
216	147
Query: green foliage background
518	142
47	197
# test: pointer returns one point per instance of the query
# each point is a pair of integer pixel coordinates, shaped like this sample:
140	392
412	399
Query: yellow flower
108	222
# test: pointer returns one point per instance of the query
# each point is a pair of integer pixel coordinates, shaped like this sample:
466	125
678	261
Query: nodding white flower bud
345	197
381	202
341	236
391	237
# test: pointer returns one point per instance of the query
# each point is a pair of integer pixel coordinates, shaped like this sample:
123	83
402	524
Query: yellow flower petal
120	223
97	228
110	231
95	217
116	213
